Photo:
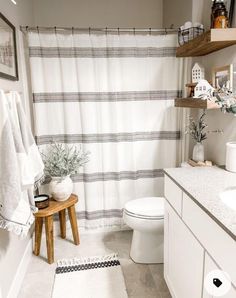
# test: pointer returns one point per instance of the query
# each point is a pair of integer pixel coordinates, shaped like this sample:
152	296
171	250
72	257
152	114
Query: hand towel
20	166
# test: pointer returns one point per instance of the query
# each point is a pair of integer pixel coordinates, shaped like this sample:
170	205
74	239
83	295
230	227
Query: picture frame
224	77
8	52
230	6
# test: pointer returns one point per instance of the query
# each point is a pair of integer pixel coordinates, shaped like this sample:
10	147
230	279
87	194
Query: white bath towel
20	166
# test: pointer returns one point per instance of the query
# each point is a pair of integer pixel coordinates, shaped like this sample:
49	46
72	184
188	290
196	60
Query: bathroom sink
228	197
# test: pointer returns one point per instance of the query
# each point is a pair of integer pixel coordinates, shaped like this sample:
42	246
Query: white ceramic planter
61	188
198	152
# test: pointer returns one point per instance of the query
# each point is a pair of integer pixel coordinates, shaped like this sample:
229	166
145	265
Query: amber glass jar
220	19
219	15
213	9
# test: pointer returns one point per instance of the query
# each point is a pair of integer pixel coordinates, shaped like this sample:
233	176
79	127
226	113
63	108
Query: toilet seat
146	208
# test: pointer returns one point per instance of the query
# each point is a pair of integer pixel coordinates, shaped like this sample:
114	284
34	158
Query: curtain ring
134	30
118	29
106	30
150	31
72	30
166	31
89	30
37	29
55	29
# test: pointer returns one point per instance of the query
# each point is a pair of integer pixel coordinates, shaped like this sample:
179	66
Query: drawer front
210	265
213	238
173	194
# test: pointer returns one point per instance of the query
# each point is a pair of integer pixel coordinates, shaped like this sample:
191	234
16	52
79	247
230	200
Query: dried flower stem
196	129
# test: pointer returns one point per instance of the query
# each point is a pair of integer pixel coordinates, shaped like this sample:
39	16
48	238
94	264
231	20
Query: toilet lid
147	207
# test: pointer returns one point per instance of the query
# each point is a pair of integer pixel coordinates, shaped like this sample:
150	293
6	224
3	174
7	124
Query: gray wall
98	13
215	144
11	247
176	12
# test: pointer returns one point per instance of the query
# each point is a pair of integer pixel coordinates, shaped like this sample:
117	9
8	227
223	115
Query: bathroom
140	171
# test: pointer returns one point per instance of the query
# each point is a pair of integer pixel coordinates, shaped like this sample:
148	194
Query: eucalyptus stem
62	160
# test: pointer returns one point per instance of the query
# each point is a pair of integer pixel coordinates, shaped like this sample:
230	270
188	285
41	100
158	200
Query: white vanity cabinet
183	258
194	245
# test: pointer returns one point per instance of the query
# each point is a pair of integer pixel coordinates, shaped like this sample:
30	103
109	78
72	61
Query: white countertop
203	185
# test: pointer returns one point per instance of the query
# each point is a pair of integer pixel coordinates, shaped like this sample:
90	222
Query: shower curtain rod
90	29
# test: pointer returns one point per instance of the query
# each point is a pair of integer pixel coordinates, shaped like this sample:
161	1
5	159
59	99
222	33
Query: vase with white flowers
61	161
197	131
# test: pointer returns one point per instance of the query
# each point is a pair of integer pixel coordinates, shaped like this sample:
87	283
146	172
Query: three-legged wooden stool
47	215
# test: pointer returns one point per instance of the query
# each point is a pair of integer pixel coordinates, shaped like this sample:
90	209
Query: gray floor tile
165	294
138	278
158	277
37	286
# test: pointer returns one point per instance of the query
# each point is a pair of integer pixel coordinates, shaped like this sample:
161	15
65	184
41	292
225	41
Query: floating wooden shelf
210	41
195	103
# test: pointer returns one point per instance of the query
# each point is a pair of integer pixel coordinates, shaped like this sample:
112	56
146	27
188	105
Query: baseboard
20	272
169	286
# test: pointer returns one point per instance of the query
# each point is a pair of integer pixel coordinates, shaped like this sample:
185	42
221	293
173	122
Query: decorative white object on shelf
188	25
198	25
203	90
198	73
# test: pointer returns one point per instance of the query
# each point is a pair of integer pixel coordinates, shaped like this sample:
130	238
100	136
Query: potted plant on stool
61	161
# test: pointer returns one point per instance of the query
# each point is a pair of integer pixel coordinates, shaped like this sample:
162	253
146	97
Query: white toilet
146	217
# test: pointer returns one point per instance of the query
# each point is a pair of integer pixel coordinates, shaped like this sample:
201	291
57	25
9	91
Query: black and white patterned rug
89	277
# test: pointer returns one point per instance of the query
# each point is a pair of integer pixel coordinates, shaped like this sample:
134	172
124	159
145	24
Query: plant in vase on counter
61	161
197	131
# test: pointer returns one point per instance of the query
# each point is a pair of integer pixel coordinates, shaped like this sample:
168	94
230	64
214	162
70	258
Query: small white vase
61	188
198	152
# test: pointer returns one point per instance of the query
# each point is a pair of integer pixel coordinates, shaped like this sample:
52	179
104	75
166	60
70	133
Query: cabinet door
210	265
184	257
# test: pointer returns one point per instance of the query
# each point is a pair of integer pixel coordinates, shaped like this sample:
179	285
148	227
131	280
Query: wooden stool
47	214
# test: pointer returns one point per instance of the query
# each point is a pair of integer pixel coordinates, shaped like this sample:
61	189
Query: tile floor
142	281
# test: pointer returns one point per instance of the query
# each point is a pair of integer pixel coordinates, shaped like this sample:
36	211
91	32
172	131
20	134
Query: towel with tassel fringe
21	166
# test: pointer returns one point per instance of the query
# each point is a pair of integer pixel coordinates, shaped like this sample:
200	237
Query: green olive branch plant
63	160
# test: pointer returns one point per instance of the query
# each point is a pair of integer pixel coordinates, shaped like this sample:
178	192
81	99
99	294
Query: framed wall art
223	77
8	54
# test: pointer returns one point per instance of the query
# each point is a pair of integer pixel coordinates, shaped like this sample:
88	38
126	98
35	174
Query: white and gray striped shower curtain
114	94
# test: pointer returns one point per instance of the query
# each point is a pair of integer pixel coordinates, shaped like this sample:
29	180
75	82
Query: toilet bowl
146	217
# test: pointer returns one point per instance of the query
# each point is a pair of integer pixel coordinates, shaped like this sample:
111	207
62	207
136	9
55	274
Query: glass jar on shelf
219	15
